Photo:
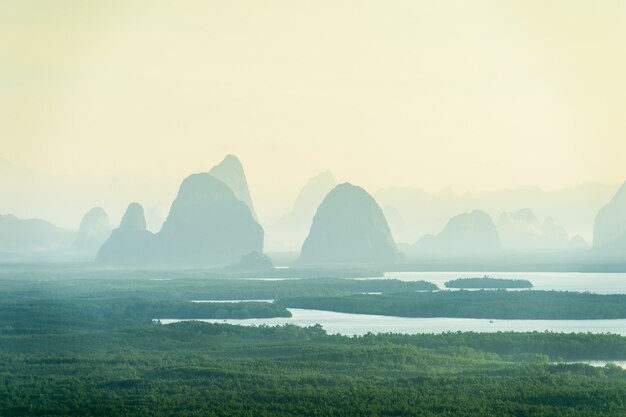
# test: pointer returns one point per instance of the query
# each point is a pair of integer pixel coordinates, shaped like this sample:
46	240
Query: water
600	364
232	301
359	324
266	279
600	283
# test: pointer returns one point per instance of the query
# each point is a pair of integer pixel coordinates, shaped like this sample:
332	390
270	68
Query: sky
476	95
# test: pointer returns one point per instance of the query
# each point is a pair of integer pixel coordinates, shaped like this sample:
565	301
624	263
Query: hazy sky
466	94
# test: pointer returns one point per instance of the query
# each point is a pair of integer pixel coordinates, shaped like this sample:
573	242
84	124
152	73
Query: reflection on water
359	324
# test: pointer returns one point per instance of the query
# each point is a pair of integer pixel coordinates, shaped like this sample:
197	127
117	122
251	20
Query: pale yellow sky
467	94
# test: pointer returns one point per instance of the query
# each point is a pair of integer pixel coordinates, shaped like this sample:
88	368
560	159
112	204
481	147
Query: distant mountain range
20	236
475	233
412	213
419	212
522	230
209	225
466	233
64	199
212	222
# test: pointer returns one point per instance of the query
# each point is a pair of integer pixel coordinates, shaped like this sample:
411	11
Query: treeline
143	284
200	369
87	270
518	346
534	305
23	315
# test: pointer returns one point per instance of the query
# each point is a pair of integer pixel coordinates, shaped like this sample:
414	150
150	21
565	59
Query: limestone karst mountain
578	242
208	226
425	212
291	230
394	219
130	244
309	198
24	236
523	231
609	231
94	230
349	227
230	172
424	245
464	234
63	199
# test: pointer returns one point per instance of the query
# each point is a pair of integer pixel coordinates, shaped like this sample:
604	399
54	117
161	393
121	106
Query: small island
486	282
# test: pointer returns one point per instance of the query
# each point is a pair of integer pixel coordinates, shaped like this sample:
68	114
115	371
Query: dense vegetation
187	286
199	369
20	315
88	271
90	348
545	305
488	282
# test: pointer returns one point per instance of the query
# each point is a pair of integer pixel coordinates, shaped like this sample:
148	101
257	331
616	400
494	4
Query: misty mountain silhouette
522	230
578	242
609	230
394	219
291	230
425	212
349	227
466	233
230	172
207	226
28	193
254	261
31	235
129	244
309	199
94	230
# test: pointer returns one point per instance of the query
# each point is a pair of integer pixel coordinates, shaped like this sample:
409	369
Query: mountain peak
609	230
465	233
349	228
134	218
94	230
230	172
207	225
229	161
522	230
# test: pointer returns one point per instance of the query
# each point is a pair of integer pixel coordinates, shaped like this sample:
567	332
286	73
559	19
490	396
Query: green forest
199	369
72	347
488	282
488	304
